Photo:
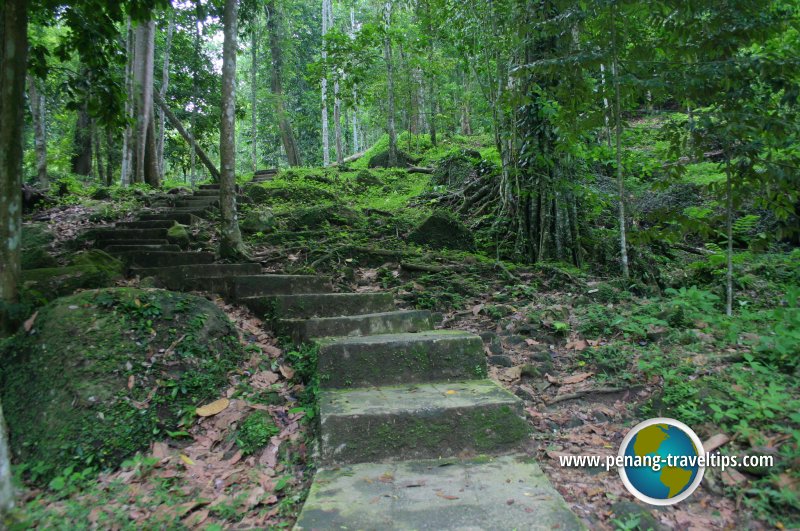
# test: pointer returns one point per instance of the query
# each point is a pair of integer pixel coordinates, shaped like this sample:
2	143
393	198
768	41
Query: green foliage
255	432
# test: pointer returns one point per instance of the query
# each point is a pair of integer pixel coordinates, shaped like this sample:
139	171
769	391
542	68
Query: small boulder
442	230
258	220
500	361
178	235
101	194
381	160
88	270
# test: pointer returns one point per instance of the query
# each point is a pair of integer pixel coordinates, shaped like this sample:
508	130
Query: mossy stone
442	230
258	220
178	235
87	270
316	217
104	372
381	160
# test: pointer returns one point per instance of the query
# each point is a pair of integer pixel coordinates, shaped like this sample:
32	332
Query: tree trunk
254	94
109	156
326	157
39	115
196	149
605	104
127	139
337	122
145	167
164	89
230	238
623	244
356	146
276	51
387	54
81	163
193	119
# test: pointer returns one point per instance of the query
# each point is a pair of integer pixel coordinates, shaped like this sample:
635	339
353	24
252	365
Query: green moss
178	235
255	432
442	230
65	384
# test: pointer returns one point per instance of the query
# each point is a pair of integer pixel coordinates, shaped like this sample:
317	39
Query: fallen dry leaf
131	381
263	380
160	450
213	408
287	372
715	442
445	496
579	345
28	325
732	477
187	460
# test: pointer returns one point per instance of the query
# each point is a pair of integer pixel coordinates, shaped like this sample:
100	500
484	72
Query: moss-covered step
213	186
508	492
301	330
164	258
107	243
182	218
308	305
393	359
197	202
196	276
101	235
207	193
116	249
419	422
153	224
261	285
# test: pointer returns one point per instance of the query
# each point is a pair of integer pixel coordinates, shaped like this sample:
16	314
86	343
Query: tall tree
387	55
82	145
145	163
326	156
254	37
164	88
276	51
623	241
231	244
39	117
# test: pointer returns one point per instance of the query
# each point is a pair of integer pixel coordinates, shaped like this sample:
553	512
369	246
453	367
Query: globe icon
662	459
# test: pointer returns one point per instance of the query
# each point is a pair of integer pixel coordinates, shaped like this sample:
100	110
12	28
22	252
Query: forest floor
589	355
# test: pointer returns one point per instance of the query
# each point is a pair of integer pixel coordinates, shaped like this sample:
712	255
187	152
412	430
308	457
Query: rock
573	423
532	371
627	512
381	160
495	345
178	235
319	216
94	379
525	393
88	270
442	230
101	194
258	220
500	361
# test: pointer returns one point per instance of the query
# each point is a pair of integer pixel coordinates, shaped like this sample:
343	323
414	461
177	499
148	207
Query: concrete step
152	224
207	193
261	285
394	359
318	305
197	202
507	492
196	276
419	422
301	330
268	171
116	249
214	186
128	234
165	258
183	219
107	243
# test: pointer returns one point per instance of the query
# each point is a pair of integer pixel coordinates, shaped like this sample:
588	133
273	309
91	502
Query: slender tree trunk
81	162
193	118
109	156
145	165
163	90
337	104
326	157
605	104
355	92
127	139
231	244
13	61
287	134
620	181
387	54
98	151
193	145
729	231
39	115
254	94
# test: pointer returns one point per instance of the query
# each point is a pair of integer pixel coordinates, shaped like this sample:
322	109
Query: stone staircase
412	433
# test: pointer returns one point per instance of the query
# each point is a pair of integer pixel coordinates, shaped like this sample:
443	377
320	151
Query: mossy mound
87	270
456	168
319	216
296	192
36	238
381	160
178	235
104	372
442	230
